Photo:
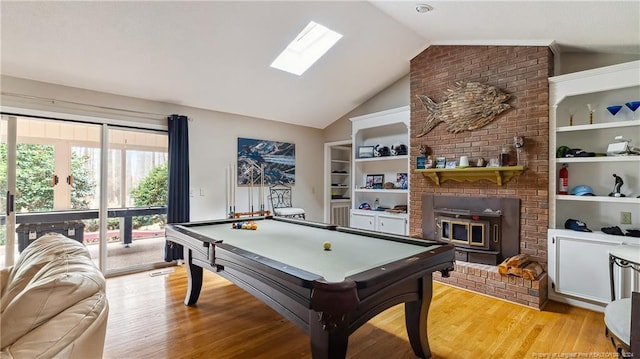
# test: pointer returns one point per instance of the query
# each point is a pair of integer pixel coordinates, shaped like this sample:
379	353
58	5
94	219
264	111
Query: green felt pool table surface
302	247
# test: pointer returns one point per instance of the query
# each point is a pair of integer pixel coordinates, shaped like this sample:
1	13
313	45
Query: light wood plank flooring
148	320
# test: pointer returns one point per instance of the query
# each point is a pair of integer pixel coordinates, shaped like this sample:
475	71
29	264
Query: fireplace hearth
484	230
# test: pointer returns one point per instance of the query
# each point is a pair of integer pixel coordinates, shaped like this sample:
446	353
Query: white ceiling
216	55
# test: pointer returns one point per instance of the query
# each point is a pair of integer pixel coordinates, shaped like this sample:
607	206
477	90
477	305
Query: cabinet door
363	221
392	224
582	268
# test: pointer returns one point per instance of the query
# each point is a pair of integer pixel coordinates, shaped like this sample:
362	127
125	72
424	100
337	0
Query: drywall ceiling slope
211	55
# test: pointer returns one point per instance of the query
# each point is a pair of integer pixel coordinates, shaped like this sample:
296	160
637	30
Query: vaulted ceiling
216	55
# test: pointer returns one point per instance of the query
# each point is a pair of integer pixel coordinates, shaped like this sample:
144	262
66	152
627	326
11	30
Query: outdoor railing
75	215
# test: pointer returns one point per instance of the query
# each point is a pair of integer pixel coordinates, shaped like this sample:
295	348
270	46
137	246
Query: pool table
328	293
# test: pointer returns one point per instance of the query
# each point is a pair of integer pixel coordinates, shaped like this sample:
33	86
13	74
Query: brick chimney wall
521	71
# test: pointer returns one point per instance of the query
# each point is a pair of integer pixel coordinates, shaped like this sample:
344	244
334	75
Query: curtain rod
53	101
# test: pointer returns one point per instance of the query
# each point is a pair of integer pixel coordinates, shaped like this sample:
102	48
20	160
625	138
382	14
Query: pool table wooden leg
328	335
194	279
415	314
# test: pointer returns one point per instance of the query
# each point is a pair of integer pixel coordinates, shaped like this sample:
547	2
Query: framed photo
402	180
451	164
252	153
365	151
378	181
440	162
374	181
429	163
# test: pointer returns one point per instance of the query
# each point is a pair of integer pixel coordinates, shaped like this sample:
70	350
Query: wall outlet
625	217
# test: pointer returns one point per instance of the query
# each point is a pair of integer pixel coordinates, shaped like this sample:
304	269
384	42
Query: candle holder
592	109
518	143
572	112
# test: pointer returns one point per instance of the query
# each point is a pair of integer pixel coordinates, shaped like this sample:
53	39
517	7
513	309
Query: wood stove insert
484	229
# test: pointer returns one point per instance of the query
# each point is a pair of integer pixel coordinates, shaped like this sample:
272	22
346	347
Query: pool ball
326	246
254	226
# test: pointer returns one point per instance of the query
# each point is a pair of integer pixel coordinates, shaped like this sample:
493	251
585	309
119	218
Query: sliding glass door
58	178
137	186
8	247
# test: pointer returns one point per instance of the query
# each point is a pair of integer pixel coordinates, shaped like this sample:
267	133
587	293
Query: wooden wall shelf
497	175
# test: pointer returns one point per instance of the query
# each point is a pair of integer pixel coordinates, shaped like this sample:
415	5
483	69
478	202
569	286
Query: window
310	44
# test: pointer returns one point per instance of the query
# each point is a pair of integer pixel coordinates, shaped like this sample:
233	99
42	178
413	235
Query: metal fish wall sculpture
468	106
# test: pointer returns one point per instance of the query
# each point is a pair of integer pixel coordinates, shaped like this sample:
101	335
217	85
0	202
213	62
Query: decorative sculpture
616	187
468	106
424	150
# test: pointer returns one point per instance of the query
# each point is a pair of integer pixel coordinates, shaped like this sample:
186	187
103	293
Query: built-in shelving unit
571	126
386	128
569	96
339	184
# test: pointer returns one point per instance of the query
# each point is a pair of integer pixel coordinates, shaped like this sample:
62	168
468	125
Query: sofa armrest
78	332
4	277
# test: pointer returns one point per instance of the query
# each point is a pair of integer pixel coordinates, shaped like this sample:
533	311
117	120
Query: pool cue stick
251	189
233	187
262	188
228	191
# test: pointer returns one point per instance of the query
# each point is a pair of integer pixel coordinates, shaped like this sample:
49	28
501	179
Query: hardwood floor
148	320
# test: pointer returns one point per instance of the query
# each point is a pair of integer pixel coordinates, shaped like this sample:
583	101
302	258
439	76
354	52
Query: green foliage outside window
151	191
34	181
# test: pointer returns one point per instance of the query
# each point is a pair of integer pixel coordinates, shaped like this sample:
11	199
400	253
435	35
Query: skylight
310	44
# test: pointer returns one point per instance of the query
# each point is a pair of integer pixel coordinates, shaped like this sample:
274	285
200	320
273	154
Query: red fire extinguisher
563	185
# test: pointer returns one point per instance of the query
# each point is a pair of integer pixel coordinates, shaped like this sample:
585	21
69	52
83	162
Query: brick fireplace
522	72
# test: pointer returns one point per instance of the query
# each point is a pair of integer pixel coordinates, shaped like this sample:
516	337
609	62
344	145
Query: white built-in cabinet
579	268
387	128
578	261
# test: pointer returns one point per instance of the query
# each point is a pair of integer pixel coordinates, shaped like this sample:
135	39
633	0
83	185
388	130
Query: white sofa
53	302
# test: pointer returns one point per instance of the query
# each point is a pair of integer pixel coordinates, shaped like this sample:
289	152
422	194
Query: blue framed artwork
278	158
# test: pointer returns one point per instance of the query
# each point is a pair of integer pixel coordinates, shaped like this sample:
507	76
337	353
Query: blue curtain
178	192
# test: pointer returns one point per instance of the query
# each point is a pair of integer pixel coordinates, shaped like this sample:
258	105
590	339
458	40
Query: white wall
212	144
574	61
394	96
